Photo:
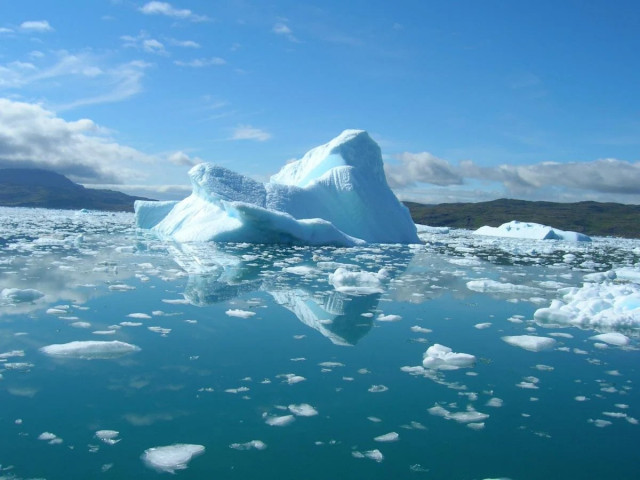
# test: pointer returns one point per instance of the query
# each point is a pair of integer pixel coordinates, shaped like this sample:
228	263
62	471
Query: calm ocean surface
239	344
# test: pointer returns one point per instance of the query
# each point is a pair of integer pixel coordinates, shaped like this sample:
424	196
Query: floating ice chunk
530	342
443	358
121	287
419	329
17	295
81	325
468	416
482	326
172	457
235	312
612	338
491	286
90	349
110	437
371	454
495	402
252	445
336	194
388	437
292	378
378	388
141	316
389	318
47	436
357	283
281	421
303	410
300	270
606	304
534	231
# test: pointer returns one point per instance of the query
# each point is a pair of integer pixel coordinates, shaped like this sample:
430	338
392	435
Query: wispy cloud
144	42
181	158
36	26
247	132
184	43
283	29
201	62
166	9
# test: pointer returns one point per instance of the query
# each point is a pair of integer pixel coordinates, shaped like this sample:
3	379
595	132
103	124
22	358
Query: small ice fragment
141	316
253	444
389	318
108	436
419	329
494	402
481	326
172	457
374	419
303	410
235	312
90	349
388	437
476	425
281	421
530	342
440	357
47	436
612	338
374	455
378	388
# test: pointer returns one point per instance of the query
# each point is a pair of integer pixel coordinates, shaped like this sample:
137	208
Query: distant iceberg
533	231
337	194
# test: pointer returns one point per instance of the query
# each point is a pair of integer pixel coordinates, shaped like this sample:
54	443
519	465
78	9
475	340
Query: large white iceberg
533	231
337	194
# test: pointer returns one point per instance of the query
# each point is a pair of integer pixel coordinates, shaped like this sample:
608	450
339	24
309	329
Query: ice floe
532	343
528	230
172	457
90	349
443	358
358	283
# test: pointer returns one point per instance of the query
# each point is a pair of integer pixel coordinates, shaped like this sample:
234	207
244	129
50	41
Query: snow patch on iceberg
337	194
533	231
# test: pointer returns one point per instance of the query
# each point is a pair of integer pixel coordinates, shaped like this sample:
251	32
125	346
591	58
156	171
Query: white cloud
284	30
36	26
5	30
31	136
143	42
601	180
201	62
165	8
247	132
181	158
421	167
184	43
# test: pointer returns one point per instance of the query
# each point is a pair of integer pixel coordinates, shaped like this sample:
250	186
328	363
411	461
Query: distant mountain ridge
590	218
32	187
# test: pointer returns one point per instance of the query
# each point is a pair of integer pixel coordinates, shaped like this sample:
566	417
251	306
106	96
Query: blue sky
469	100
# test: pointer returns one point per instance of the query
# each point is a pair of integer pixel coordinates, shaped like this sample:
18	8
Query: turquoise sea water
231	336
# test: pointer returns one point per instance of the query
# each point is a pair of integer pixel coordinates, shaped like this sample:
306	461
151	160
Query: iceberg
172	457
336	194
532	231
90	349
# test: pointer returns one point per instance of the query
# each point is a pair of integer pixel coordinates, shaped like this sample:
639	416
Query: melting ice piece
281	421
612	338
336	194
388	437
236	312
357	283
253	444
172	457
303	410
110	437
530	342
17	295
605	304
91	349
534	231
443	358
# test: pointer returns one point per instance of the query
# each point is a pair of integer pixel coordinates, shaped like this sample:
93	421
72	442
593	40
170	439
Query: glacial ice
337	194
172	457
534	231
